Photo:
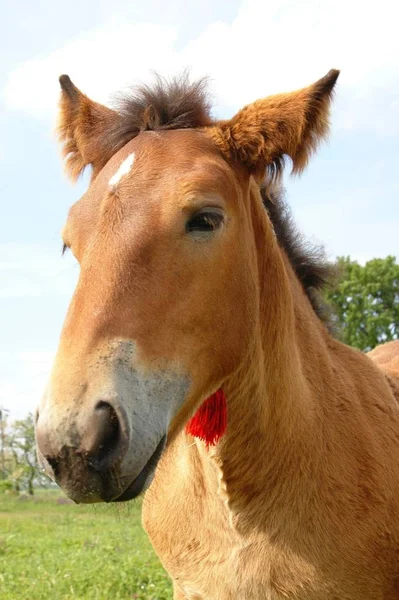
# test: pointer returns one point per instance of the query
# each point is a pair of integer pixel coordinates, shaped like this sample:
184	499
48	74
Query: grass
59	551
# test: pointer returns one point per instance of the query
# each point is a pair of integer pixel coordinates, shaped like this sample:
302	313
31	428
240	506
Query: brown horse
191	281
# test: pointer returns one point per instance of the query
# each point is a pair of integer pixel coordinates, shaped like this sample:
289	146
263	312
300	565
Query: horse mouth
144	478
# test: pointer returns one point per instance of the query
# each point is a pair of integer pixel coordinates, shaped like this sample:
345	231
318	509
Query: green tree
3	427
26	472
365	301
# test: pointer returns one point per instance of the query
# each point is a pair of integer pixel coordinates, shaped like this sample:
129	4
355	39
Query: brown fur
177	104
387	357
81	126
263	133
174	104
300	499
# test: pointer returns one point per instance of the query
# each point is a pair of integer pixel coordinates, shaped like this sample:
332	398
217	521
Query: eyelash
205	221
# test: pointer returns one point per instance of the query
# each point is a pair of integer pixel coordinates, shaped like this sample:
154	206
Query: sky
347	199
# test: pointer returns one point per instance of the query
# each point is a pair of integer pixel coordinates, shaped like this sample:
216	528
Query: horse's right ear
82	126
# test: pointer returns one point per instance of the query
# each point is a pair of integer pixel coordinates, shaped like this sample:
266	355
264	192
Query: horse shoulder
386	356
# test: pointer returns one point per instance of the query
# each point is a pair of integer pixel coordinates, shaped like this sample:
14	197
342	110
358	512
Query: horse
198	307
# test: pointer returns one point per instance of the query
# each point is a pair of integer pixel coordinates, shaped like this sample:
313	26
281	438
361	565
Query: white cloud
269	47
101	61
28	270
23	383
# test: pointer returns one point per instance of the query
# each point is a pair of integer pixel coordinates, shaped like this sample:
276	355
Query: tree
18	460
365	301
26	469
3	426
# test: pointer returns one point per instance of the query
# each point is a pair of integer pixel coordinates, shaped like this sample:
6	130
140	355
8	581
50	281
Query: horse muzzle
89	456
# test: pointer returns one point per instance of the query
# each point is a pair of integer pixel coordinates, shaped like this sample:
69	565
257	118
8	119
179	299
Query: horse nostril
54	464
102	440
97	442
109	431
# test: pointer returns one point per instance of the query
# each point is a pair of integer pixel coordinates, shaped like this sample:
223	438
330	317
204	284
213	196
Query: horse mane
308	260
179	104
166	105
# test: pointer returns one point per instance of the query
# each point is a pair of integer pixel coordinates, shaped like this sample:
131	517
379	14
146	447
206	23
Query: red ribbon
210	421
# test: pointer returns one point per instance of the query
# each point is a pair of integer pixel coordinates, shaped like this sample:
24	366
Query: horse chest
189	525
207	561
196	549
205	556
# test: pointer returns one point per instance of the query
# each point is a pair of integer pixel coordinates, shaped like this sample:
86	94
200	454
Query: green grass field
59	551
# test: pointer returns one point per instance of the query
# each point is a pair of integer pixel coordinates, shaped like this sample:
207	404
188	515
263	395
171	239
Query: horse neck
270	451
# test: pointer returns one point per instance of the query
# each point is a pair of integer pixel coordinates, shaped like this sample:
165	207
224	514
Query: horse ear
263	133
81	128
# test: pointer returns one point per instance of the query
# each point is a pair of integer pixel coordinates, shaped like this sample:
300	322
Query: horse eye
205	221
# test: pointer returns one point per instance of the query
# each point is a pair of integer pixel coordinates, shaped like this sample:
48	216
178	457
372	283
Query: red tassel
210	421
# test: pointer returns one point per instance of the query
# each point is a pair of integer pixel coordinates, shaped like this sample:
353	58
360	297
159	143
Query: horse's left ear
82	129
262	133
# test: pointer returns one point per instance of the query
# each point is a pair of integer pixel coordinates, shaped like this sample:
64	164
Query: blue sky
347	199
